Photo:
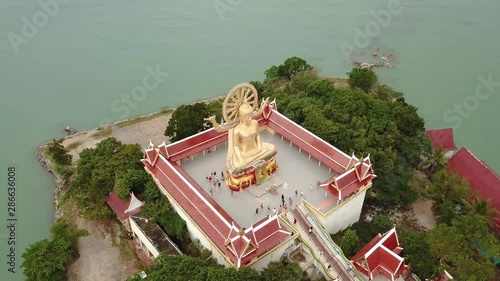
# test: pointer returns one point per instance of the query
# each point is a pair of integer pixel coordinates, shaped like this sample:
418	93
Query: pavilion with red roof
482	178
266	240
124	209
381	257
442	138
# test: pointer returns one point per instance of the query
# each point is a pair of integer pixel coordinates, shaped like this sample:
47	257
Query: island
321	171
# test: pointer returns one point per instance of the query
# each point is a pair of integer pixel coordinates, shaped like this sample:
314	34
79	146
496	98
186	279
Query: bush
48	259
362	78
57	152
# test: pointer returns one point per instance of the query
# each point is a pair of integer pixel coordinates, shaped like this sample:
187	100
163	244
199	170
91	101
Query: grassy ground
102	132
143	118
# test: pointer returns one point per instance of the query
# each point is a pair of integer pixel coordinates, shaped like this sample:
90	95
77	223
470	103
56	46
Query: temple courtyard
296	174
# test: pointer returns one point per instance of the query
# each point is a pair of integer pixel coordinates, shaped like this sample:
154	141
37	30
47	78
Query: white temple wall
194	231
346	214
145	241
274	255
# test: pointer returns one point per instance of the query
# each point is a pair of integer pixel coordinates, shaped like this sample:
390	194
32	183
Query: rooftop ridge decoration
134	203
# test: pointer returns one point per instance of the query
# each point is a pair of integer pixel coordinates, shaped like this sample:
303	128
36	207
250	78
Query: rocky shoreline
60	183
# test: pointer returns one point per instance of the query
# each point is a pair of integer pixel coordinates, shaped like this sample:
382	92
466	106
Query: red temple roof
217	225
124	209
380	256
481	177
442	138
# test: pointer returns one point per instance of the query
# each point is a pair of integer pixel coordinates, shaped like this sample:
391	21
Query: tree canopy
99	169
186	121
288	69
180	268
47	259
363	78
56	150
378	123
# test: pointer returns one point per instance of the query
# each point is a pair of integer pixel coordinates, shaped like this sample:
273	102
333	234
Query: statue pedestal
257	173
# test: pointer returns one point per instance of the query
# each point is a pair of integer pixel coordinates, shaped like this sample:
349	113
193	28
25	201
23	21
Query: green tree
45	260
259	86
178	268
160	211
434	161
350	243
484	209
151	192
446	185
380	123
302	80
447	212
48	259
131	179
215	108
97	173
382	224
58	153
277	271
321	88
122	189
186	121
458	246
291	67
230	274
418	254
363	78
407	119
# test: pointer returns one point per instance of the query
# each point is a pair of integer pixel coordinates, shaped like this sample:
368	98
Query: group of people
214	181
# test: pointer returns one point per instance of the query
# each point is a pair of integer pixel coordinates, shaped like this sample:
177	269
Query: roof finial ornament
241	232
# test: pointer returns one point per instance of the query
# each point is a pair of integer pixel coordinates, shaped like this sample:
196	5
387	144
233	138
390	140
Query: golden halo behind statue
239	94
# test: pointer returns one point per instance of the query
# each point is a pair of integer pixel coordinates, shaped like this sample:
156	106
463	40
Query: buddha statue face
245	112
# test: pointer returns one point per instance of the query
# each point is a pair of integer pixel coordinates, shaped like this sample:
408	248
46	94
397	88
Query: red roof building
381	257
442	138
482	178
240	246
124	209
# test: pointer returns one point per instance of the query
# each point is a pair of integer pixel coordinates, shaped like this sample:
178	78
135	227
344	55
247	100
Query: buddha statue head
245	113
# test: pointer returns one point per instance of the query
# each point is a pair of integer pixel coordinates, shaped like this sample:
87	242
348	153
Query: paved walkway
294	168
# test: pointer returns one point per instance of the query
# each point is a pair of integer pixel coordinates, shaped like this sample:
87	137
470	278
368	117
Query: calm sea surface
84	63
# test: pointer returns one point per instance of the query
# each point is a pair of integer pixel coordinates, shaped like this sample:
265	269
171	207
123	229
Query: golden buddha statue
247	146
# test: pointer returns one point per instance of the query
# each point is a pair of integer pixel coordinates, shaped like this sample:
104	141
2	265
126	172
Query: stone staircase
322	249
324	238
257	190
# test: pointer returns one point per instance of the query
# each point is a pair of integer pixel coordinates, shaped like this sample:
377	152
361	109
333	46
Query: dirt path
140	133
99	258
422	209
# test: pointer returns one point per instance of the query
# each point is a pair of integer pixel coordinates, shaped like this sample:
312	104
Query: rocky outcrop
61	184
